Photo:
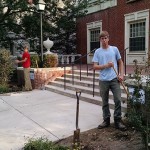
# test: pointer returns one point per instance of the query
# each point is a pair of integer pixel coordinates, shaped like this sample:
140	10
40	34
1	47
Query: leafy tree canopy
58	24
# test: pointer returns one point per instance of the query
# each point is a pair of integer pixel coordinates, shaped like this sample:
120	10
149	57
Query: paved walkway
41	113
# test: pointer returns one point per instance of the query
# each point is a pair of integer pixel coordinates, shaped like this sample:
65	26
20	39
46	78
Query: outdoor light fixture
41	7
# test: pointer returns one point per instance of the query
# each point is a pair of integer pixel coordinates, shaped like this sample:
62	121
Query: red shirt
27	63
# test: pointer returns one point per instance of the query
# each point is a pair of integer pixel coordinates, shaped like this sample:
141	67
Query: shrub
42	144
34	61
6	67
4	88
139	113
50	60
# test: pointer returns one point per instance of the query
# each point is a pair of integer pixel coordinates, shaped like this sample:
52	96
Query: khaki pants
28	85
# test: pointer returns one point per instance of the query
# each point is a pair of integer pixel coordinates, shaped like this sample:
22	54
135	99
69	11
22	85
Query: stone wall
41	76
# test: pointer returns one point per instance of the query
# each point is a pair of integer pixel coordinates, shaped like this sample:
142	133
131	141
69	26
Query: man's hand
120	78
17	61
110	64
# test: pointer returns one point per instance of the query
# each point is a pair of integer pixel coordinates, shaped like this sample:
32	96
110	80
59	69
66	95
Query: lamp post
41	7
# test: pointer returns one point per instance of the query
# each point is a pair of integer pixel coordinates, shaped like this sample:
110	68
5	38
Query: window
94	38
137	36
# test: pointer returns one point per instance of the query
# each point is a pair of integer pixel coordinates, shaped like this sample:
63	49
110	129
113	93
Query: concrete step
84	96
84	88
90	73
86	83
83	77
84	72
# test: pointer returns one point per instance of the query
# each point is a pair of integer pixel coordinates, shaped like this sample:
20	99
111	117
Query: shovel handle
121	82
78	93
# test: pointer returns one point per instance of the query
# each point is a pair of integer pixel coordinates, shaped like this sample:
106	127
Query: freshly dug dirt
108	139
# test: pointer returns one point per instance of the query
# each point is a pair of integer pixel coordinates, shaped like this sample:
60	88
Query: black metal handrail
87	68
72	70
125	59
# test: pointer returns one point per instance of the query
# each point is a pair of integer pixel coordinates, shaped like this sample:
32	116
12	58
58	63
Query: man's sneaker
119	125
104	124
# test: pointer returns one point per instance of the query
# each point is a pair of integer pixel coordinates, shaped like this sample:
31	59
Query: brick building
127	22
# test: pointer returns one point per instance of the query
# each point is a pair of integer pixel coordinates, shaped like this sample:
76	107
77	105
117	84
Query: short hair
26	47
103	34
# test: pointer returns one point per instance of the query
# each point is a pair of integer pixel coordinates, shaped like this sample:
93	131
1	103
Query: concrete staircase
86	87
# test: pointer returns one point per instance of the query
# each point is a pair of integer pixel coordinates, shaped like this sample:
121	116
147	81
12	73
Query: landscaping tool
121	82
76	138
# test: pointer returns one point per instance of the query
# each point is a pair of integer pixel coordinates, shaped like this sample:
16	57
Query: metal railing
80	69
125	60
87	68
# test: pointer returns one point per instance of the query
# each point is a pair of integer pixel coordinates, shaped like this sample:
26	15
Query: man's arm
96	66
121	69
21	61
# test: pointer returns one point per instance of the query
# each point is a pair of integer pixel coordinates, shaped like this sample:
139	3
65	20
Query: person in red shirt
26	65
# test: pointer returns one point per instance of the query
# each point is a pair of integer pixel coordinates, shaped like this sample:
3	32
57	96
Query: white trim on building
97	5
140	56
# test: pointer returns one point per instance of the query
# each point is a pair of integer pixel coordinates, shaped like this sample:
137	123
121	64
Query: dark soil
107	139
14	87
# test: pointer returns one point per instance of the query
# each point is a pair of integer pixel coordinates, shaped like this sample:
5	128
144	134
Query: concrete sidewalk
41	113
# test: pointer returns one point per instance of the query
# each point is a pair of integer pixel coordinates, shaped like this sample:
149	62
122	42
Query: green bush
6	66
34	61
4	89
42	144
50	60
139	113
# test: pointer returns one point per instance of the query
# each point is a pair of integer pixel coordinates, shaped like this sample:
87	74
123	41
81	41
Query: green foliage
9	18
58	24
42	144
6	66
34	61
65	26
4	88
50	60
139	114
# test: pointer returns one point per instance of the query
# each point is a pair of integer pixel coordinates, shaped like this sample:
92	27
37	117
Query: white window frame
94	36
136	34
141	56
90	26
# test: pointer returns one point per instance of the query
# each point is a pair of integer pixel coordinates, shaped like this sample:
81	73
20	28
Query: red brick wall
112	21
